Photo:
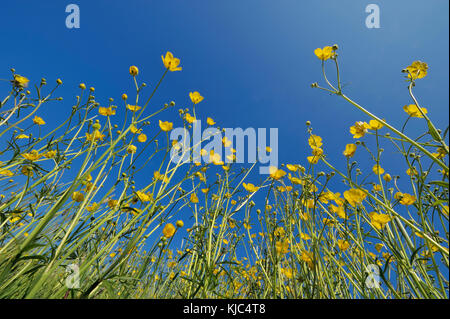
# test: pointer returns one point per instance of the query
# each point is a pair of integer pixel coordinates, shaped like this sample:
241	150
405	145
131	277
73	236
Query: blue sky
252	60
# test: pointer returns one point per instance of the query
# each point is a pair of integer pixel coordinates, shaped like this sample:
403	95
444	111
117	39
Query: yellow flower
317	152
359	129
143	197
195	97
276	173
292	168
387	177
134	70
20	81
77	196
280	232
343	244
194	198
133	129
92	208
287	272
170	62
325	53
440	152
106	111
6	172
158	176
377	169
350	150
38	120
133	108
305	236
355	196
142	138
210	121
268	149
445	210
308	257
21	136
414	111
339	210
131	149
375	125
249	187
408	199
179	223
27	171
411	172
315	141
166	126
112	203
190	119
379	246
96	135
169	230
379	220
282	246
417	70
215	158
226	142
32	156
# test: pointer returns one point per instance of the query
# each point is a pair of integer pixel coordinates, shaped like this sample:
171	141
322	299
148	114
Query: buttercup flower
413	110
6	172
350	150
142	138
210	121
315	141
359	129
194	198
170	62
134	70
169	230
408	199
32	156
249	187
195	97
106	111
77	196
417	70
343	244
165	126
20	81
38	120
411	171
190	119
379	220
325	53
133	108
143	197
375	125
131	149
377	169
179	223
276	173
355	196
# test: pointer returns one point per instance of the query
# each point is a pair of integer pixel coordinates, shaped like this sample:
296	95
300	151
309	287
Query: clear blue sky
251	59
